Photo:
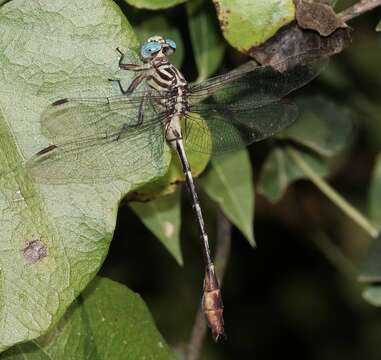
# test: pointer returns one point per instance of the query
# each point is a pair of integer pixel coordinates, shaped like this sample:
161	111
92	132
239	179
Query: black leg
132	67
124	92
121	56
125	127
141	108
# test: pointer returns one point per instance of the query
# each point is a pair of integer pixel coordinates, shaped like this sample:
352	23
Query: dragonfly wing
68	118
221	130
263	82
101	158
97	140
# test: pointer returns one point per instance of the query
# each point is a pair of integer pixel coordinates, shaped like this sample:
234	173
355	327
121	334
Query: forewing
220	130
68	118
97	140
263	82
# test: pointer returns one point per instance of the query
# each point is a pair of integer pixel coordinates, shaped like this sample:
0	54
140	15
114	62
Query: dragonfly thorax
166	80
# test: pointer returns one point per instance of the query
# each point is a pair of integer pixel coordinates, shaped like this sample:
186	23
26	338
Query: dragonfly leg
121	53
134	84
132	67
186	128
141	108
126	127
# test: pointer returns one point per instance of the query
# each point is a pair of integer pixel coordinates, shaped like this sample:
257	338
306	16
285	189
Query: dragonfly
101	139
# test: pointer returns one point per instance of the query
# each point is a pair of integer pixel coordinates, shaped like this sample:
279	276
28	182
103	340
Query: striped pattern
169	82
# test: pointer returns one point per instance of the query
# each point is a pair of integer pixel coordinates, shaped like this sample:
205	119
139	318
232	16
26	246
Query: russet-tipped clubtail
95	140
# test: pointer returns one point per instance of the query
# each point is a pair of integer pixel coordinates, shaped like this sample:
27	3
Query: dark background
296	294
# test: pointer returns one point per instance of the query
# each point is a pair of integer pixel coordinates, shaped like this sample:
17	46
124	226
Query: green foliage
322	130
154	4
370	271
92	329
162	217
245	24
55	238
323	126
207	43
73	224
279	171
375	193
234	194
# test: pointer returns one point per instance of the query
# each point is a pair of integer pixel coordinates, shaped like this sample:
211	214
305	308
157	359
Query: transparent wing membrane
97	140
71	118
263	83
100	158
217	131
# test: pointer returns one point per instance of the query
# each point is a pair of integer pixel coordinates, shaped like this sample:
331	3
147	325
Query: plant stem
221	258
358	9
334	196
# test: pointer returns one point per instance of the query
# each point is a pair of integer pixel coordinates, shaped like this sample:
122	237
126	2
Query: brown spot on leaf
34	251
318	15
222	15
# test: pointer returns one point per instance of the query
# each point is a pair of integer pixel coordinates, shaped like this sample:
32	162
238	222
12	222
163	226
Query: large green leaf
279	171
108	321
378	27
207	43
53	237
162	217
229	182
245	24
154	4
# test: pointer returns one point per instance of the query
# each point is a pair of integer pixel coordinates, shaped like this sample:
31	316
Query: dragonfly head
157	47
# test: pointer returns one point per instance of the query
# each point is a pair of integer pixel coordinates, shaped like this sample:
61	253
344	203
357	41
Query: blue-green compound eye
171	43
149	48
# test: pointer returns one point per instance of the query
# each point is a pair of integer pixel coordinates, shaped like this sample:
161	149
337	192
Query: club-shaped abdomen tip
60	102
215	321
212	305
